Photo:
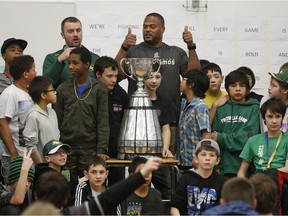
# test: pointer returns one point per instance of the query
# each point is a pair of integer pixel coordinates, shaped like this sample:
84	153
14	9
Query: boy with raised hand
106	71
82	112
11	47
12	195
214	92
198	190
15	100
270	149
41	124
133	204
235	122
96	174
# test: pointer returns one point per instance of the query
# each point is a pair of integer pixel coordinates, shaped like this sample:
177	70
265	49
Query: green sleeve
102	120
235	141
59	107
247	153
52	68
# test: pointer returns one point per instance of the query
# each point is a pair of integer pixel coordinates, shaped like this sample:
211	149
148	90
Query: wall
262	47
36	22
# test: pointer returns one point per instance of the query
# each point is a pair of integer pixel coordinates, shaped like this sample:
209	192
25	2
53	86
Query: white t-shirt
13	102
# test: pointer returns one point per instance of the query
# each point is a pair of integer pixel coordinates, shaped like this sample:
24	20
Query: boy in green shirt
269	149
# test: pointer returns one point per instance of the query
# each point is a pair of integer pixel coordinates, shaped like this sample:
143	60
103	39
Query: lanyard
269	159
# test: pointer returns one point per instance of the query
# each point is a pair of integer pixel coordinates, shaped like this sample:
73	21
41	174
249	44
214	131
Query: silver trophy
140	133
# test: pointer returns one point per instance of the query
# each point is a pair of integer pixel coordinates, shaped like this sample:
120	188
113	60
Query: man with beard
174	62
56	64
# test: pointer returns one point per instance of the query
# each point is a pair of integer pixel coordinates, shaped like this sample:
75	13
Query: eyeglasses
51	90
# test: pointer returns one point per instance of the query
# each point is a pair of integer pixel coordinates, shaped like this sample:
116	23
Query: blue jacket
232	208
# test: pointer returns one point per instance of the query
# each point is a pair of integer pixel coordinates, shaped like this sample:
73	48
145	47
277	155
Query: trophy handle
126	61
159	65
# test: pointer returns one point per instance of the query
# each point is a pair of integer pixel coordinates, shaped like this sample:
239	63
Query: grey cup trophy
140	133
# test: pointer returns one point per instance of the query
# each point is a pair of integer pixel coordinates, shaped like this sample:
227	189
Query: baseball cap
52	147
282	76
22	43
208	142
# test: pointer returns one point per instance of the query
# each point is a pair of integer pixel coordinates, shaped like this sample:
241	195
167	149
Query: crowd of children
58	139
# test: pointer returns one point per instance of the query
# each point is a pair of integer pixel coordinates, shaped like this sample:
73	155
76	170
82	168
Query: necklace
75	90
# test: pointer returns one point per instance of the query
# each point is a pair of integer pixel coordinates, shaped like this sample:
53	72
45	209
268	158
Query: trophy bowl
139	69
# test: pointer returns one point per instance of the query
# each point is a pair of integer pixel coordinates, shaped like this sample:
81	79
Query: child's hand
166	153
27	160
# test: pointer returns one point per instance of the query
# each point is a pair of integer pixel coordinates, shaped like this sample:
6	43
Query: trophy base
131	156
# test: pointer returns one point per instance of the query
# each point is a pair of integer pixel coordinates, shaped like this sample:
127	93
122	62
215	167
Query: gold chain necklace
75	90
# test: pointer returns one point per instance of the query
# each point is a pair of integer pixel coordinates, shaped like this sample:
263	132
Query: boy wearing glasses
40	120
199	190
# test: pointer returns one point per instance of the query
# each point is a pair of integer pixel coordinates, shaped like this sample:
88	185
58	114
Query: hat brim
53	151
22	43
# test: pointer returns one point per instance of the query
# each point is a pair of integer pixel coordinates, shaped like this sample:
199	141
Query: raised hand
187	36
130	39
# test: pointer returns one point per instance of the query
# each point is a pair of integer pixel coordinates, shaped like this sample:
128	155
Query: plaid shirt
193	119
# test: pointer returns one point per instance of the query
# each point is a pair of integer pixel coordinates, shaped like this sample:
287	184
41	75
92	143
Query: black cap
10	41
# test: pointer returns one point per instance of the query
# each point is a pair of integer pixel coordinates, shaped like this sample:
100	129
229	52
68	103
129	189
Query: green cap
282	76
52	147
15	169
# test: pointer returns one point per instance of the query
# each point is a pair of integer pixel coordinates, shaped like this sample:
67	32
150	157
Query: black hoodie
195	194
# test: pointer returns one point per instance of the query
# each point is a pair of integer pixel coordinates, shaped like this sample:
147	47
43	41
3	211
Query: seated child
13	197
96	174
269	149
133	204
55	155
199	190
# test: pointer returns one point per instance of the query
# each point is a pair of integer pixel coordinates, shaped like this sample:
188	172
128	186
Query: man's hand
187	37
130	39
65	55
151	165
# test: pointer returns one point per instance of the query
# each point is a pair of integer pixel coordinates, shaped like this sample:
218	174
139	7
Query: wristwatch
193	47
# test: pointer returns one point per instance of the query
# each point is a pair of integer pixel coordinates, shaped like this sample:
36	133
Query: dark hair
213	67
19	65
94	160
236	76
199	82
135	163
248	71
274	105
52	187
283	85
85	55
105	62
159	16
266	193
236	189
204	62
69	19
39	85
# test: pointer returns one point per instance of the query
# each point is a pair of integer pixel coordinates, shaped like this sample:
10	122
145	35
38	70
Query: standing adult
174	62
56	64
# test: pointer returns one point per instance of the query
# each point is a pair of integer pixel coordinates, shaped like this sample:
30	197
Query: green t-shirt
255	151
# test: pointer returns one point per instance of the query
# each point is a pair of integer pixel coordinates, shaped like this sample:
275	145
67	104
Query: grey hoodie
40	128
